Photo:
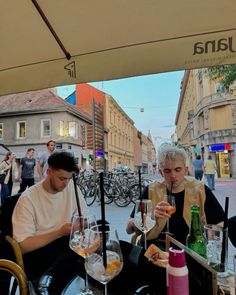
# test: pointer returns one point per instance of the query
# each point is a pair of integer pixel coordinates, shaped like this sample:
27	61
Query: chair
6	211
9	248
232	230
17	272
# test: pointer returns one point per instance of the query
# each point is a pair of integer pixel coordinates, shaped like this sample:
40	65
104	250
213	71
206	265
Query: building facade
137	149
117	126
206	120
91	101
151	155
120	135
31	119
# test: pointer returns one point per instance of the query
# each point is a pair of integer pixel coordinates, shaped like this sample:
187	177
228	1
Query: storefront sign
220	147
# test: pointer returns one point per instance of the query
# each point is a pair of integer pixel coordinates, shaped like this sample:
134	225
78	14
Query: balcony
215	98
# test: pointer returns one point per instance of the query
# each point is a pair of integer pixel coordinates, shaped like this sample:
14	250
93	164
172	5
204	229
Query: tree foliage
226	74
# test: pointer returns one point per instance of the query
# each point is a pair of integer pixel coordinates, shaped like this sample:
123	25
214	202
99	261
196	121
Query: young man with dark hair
42	216
42	164
198	166
26	170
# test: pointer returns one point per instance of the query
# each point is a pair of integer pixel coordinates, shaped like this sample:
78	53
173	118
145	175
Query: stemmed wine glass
171	200
79	241
143	217
106	261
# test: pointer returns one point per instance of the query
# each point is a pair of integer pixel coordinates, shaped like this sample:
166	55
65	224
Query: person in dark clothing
198	167
26	170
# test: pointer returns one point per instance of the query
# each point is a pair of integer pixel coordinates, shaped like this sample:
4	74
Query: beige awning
110	39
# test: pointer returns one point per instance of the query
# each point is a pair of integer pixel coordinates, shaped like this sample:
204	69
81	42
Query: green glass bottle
196	239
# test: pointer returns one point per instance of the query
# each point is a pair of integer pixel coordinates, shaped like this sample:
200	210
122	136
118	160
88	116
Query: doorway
223	160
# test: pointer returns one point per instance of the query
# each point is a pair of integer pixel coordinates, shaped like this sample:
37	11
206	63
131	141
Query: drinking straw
171	187
76	195
225	225
103	219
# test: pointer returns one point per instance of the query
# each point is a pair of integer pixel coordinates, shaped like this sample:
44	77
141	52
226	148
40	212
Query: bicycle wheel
134	192
90	196
122	199
108	194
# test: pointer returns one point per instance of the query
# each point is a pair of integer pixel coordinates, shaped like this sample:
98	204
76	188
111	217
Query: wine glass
106	261
143	217
79	241
171	200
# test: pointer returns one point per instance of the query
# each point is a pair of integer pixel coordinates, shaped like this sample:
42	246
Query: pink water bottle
177	273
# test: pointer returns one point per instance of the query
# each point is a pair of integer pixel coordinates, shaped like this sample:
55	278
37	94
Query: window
72	129
21	129
46	128
1	130
82	134
61	128
219	87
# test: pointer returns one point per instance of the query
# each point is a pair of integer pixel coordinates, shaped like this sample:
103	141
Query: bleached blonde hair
169	152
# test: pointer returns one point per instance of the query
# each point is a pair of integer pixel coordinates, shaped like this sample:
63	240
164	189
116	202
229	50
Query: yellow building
120	135
206	120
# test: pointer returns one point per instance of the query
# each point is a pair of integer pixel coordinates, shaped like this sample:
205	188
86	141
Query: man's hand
161	209
65	229
131	228
39	241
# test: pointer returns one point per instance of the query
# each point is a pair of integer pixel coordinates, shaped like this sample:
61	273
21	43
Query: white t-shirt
38	212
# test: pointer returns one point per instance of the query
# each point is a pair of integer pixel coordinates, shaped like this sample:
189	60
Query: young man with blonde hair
186	191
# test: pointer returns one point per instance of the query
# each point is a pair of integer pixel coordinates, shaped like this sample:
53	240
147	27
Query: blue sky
158	94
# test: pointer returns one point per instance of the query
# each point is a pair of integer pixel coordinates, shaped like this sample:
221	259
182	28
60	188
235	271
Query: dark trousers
198	174
24	183
39	261
4	192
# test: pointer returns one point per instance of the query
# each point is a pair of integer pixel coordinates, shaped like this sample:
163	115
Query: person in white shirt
42	165
42	216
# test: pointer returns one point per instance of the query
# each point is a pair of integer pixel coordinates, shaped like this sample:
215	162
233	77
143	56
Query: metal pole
94	136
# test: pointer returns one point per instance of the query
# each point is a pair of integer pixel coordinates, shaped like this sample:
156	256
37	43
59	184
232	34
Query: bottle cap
176	257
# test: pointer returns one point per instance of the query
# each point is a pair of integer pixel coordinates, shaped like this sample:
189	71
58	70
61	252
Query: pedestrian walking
198	167
26	170
7	167
42	165
210	169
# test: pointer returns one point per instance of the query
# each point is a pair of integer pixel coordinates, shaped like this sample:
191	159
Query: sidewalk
226	180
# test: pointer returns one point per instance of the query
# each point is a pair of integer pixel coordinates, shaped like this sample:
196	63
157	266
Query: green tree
227	74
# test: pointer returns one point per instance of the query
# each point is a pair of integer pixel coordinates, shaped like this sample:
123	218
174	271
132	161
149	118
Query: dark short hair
30	149
63	160
48	143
